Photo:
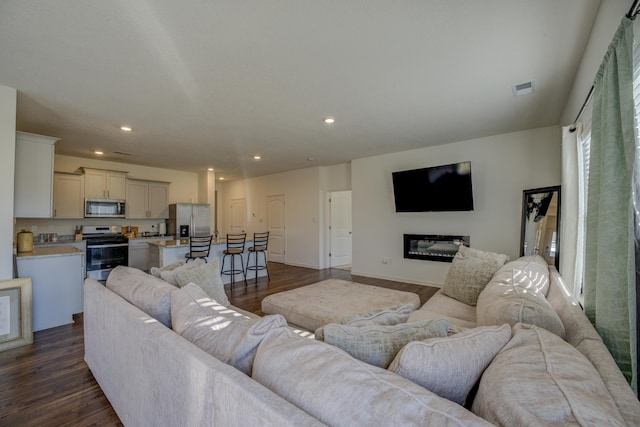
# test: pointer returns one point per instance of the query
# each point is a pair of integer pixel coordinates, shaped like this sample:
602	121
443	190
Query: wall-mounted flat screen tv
434	189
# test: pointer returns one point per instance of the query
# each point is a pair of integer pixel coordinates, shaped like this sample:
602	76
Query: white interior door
238	216
340	224
276	226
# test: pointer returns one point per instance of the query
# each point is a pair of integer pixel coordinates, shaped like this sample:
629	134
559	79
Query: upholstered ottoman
313	306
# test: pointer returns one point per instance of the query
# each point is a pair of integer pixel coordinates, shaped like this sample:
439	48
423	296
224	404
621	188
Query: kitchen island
56	275
166	252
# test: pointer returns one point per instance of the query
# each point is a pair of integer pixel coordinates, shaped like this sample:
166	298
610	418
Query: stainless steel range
107	248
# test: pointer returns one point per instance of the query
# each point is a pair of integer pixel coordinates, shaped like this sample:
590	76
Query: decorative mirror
540	234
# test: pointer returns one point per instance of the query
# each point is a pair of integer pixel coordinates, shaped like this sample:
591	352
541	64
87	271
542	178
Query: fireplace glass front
433	247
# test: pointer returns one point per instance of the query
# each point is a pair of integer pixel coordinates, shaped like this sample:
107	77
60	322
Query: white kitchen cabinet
139	251
104	184
56	276
68	195
147	199
33	185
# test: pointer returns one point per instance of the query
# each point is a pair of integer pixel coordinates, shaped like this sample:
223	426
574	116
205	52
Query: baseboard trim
395	279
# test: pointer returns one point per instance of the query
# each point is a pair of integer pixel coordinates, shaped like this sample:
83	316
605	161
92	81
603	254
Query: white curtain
572	227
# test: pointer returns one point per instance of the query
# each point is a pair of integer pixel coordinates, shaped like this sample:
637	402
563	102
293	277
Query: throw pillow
471	270
540	379
148	293
450	367
155	271
207	276
169	276
378	345
226	334
383	316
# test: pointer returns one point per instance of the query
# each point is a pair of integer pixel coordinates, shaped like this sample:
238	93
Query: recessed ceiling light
99	153
311	159
221	178
125	128
329	120
210	169
257	157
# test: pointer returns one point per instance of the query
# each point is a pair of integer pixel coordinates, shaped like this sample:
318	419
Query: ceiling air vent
124	153
523	88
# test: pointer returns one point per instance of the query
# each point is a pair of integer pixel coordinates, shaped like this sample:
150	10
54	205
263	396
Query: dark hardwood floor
48	383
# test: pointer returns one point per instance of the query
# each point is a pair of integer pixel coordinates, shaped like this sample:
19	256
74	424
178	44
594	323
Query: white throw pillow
223	332
540	379
207	276
450	367
378	345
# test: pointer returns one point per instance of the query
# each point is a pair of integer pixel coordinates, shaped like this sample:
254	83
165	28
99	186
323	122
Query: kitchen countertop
151	237
50	251
171	243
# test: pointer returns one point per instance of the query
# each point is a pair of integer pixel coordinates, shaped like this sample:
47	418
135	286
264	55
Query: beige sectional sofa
264	373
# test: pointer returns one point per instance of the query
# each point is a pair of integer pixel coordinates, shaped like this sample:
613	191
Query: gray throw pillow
207	276
470	272
378	345
384	316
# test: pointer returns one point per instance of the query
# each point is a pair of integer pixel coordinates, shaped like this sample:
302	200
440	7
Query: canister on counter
25	241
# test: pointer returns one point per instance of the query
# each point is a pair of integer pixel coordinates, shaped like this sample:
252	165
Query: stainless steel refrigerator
189	219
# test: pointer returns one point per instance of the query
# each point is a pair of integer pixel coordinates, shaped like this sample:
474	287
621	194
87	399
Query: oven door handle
117	245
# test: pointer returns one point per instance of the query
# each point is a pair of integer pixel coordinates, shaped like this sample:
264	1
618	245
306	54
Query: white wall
304	191
502	167
8	98
604	28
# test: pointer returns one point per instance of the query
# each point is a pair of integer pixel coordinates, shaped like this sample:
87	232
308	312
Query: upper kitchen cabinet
147	199
104	184
33	183
68	195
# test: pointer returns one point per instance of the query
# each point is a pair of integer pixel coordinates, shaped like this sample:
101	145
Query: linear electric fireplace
433	247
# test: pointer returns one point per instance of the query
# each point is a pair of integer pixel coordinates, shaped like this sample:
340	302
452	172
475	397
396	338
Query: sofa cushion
383	316
540	379
207	276
221	331
169	276
379	344
440	306
339	390
450	367
470	271
516	295
156	271
148	293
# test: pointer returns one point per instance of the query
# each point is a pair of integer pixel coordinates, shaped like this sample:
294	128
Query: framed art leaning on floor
15	313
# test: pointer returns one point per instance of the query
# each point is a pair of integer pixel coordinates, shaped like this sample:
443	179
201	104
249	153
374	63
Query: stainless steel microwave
104	208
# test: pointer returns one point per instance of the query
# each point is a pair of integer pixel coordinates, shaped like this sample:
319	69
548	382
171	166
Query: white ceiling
209	83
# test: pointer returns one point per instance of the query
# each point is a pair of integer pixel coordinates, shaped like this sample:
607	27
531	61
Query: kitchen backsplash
68	226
